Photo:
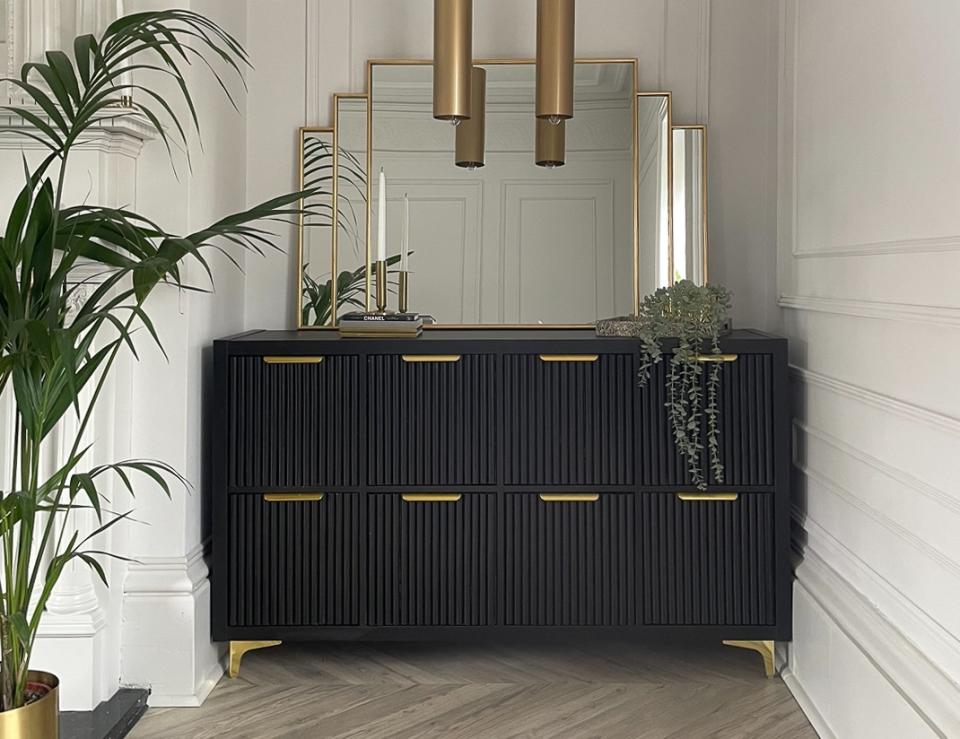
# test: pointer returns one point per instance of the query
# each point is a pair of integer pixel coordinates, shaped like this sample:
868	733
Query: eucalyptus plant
695	316
61	332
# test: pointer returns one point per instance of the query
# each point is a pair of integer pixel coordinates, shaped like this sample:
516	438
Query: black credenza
488	479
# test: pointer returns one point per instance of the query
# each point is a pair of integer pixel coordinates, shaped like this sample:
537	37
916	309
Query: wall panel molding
919	543
933	245
903	409
899	476
895	655
911	620
940	315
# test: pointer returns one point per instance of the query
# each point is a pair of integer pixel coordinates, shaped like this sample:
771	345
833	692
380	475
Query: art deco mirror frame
334	195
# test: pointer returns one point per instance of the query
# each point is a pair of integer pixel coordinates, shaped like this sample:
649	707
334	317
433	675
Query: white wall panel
868	257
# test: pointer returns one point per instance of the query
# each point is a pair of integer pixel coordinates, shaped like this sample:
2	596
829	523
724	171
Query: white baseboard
166	630
852	668
807	705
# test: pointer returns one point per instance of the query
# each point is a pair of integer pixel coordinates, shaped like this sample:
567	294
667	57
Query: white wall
151	628
869	257
719	59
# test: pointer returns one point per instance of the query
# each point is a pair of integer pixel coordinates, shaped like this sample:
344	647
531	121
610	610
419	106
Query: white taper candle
382	220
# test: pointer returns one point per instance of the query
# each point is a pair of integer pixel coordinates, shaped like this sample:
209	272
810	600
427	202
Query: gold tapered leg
765	648
240	648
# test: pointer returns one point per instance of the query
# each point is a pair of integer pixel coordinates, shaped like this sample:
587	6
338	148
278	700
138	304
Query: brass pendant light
471	133
555	59
551	143
452	59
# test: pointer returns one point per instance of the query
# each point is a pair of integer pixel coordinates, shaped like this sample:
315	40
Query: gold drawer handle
717	357
569	497
569	357
688	497
431	497
292	360
292	497
423	358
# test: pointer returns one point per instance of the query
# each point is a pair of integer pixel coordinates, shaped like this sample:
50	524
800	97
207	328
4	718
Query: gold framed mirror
510	244
690	234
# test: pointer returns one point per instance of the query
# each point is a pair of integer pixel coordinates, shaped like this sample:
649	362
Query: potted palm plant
61	330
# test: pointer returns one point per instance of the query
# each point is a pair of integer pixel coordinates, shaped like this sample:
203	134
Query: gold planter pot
37	720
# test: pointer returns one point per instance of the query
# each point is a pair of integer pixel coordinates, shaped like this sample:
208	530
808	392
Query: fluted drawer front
432	422
294	563
569	422
745	403
294	424
570	563
432	563
707	562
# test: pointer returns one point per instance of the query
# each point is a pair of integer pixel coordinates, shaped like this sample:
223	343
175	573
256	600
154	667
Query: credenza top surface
546	339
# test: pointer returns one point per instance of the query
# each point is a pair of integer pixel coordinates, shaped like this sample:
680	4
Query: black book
358	317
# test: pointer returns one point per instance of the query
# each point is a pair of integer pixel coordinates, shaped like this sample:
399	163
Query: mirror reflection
350	112
316	227
690	203
503	240
653	190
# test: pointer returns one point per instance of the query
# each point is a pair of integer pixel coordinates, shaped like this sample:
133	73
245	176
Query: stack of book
381	325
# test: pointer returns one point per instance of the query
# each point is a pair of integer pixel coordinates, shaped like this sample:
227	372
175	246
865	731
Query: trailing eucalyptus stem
60	332
694	316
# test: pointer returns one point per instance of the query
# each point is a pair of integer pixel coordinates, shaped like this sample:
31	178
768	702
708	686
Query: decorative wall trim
880	248
908	411
902	532
901	477
940	315
165	576
928	635
929	691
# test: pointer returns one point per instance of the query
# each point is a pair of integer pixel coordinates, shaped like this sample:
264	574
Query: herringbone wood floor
650	690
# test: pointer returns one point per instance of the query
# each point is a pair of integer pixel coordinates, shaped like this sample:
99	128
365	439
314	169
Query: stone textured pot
37	720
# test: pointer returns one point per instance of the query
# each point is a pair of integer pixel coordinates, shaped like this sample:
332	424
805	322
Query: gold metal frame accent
569	357
692	497
431	497
427	358
293	497
717	357
240	648
569	497
294	360
636	204
704	190
766	649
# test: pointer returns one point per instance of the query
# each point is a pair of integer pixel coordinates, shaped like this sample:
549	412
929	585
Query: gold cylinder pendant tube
452	59
551	145
471	133
555	59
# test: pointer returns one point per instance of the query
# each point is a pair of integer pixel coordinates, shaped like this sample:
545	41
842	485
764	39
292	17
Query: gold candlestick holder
403	290
381	274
